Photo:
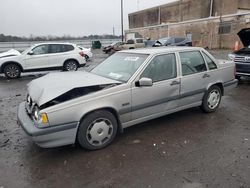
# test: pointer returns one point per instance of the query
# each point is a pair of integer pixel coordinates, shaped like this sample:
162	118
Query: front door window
42	49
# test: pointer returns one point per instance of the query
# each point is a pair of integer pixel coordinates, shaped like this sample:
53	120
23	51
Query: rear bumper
48	137
230	85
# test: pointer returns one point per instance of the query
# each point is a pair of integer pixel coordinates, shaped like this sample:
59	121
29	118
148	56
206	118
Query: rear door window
67	48
55	48
192	62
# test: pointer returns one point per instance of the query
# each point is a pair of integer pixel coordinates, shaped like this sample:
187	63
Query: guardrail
21	46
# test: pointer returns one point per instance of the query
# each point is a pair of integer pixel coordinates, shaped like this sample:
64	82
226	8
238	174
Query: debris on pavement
136	141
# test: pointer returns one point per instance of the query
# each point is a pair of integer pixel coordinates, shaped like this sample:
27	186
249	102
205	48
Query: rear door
58	54
195	77
163	94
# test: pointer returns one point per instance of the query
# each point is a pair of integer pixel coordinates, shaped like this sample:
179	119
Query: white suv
44	56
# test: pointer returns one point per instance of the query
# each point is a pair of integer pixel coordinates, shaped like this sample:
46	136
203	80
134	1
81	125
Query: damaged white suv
42	57
127	88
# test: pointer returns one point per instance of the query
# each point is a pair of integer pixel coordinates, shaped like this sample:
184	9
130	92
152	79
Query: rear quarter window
210	63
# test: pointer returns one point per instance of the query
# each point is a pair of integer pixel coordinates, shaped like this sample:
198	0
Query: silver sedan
128	88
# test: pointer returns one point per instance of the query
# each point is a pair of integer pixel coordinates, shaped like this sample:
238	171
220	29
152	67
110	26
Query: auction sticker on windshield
131	59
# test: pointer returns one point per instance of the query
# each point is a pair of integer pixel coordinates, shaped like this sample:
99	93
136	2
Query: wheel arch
110	109
10	62
71	59
219	84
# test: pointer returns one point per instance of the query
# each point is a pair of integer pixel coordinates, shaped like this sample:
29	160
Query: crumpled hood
244	36
52	85
10	53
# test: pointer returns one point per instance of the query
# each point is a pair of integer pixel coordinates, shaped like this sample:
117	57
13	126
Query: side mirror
144	82
31	53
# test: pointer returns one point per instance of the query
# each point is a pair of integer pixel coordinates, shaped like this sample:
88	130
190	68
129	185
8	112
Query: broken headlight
40	117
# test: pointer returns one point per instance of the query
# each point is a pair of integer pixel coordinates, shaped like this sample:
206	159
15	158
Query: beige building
211	23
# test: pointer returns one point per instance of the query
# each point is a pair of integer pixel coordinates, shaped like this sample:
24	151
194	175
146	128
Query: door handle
175	83
206	76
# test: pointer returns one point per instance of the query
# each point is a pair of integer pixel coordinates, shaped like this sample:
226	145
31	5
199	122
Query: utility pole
211	8
113	31
122	19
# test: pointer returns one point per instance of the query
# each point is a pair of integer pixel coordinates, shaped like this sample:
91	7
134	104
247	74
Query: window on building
225	27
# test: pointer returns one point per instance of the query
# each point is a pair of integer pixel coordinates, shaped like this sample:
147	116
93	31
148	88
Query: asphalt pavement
188	149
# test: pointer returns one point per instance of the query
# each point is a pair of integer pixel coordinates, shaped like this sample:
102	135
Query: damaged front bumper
52	136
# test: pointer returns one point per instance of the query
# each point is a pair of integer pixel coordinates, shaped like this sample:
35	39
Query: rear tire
97	130
12	71
211	99
70	65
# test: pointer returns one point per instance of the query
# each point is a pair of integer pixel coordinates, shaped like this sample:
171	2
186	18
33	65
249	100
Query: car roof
54	43
157	50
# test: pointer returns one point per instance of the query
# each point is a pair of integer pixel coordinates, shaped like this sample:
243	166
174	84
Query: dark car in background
242	56
112	47
173	41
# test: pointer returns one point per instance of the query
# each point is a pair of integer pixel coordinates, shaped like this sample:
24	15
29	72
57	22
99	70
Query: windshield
120	66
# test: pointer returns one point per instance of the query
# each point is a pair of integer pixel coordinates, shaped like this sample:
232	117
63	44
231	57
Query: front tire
211	99
97	130
70	65
12	71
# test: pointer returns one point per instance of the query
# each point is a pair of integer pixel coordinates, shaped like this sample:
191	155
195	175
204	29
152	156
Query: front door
163	94
37	58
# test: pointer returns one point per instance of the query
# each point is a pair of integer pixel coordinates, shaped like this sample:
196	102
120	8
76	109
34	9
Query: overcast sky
69	17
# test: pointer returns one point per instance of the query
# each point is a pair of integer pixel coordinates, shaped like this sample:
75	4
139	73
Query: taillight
82	54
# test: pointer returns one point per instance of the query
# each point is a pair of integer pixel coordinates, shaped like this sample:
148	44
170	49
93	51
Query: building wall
184	10
244	4
205	32
224	7
143	19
